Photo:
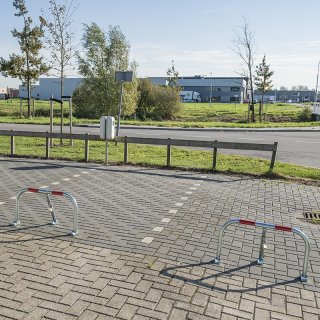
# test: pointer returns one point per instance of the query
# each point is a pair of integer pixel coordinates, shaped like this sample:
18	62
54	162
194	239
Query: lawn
156	156
199	115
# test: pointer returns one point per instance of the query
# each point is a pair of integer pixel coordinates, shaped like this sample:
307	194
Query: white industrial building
218	89
48	87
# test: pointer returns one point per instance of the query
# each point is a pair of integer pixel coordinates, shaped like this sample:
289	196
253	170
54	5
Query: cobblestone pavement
145	245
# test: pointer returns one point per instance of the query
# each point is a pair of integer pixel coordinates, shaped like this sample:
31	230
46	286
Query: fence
264	226
214	145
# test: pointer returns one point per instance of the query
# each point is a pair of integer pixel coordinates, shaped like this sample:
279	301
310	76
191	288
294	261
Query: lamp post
210	88
315	99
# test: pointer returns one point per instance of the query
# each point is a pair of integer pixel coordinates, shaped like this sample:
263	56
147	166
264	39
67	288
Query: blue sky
197	34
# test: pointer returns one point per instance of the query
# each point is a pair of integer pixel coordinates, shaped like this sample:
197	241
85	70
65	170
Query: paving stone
107	272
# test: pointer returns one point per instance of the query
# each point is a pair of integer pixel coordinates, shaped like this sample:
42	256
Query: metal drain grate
312	215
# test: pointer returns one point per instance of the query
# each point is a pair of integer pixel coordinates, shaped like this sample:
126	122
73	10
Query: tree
283	88
146	99
245	46
29	65
103	54
302	88
60	40
166	102
173	75
262	80
157	102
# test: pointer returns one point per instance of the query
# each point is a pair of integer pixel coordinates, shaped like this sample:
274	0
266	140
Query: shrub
305	114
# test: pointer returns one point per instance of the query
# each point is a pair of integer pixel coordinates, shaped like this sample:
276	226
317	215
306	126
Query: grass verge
187	159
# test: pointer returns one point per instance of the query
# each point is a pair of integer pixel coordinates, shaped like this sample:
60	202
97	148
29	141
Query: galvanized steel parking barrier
74	231
265	226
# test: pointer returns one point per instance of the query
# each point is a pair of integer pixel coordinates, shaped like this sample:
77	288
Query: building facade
298	96
48	87
220	89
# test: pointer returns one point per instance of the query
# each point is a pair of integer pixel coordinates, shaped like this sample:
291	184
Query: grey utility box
107	127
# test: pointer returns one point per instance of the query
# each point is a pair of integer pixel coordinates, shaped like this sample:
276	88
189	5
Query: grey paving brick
107	273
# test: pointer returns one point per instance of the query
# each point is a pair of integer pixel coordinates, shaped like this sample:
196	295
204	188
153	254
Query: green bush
157	102
305	114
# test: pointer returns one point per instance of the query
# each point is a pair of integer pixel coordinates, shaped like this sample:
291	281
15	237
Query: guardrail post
106	161
12	144
273	158
86	148
214	157
168	153
47	146
125	151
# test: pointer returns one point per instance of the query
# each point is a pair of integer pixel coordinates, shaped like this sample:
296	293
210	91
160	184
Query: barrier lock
54	220
263	245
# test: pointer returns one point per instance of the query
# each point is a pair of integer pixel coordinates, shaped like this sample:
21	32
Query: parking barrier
303	277
74	231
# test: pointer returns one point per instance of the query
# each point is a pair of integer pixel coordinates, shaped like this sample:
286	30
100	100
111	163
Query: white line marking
184	198
147	240
55	183
13	198
189	192
157	229
178	204
252	139
149	134
2	203
311	142
92	169
166	220
44	187
197	184
76	175
203	177
84	172
173	211
193	188
65	179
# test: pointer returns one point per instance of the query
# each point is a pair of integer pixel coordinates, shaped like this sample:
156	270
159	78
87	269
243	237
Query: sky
198	35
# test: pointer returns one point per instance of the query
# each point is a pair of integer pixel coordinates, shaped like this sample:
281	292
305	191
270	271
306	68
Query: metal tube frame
303	277
54	221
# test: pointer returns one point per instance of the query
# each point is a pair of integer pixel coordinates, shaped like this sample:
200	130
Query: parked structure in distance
190	96
316	110
221	89
298	96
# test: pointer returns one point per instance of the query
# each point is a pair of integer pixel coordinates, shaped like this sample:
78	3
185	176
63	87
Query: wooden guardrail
214	145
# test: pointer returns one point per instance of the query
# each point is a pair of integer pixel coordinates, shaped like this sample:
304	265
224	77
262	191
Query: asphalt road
299	147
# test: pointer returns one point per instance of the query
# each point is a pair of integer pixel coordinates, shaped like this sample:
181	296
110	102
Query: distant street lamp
315	99
210	88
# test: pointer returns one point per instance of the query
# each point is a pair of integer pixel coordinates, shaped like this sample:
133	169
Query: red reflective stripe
57	193
33	190
248	222
283	228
